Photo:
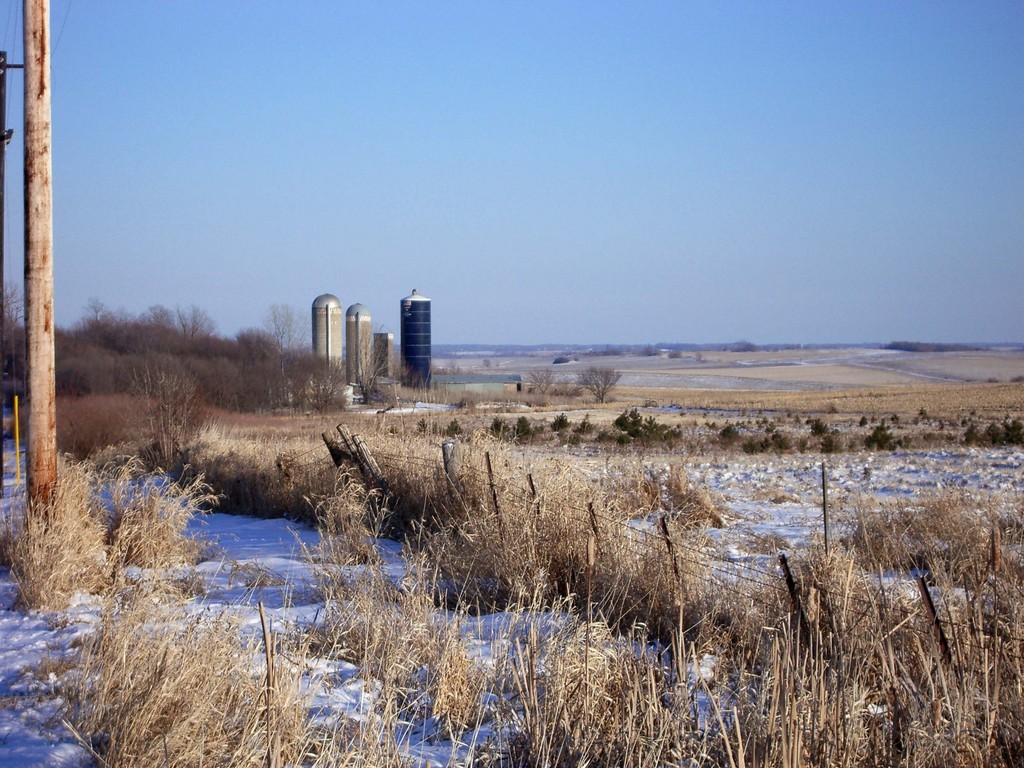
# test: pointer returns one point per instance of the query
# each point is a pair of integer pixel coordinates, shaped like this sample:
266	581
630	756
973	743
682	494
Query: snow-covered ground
773	502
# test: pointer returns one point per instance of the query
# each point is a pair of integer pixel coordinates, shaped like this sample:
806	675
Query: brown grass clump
588	699
153	690
947	532
262	477
96	525
147	515
454	686
57	549
691	505
346	520
390	631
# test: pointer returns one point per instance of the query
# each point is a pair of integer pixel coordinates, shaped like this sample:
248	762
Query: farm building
482	384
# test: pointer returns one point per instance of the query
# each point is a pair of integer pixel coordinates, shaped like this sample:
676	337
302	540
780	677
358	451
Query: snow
31	733
421	408
773	503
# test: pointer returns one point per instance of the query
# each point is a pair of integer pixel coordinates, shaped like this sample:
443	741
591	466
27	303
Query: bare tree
598	380
157	315
282	323
541	380
320	383
95	311
195	322
174	409
373	365
14	311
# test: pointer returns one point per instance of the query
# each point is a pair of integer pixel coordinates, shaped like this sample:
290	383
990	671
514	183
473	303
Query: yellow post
17	444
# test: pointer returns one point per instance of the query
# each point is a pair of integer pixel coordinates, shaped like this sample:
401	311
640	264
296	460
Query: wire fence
745	577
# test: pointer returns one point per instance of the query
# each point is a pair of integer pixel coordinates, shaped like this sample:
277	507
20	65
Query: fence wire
729	573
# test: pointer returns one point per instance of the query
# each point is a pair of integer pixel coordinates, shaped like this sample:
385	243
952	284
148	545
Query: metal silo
383	352
358	343
415	342
327	327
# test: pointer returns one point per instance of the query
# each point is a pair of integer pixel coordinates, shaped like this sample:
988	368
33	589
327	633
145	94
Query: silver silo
384	353
327	327
358	343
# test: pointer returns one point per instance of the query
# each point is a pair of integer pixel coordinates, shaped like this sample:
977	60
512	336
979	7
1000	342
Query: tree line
116	352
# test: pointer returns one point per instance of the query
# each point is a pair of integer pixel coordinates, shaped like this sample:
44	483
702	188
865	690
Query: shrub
175	413
88	424
646	429
753	445
630	422
1007	433
560	423
818	428
728	434
523	429
584	427
831	443
881	439
500	428
972	436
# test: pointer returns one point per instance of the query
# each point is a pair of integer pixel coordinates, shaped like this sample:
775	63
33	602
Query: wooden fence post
824	503
451	454
671	550
940	634
794	597
533	494
494	496
336	449
357	451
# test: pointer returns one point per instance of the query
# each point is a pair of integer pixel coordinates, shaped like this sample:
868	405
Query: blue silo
415	342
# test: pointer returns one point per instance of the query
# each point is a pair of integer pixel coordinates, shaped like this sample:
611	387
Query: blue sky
545	172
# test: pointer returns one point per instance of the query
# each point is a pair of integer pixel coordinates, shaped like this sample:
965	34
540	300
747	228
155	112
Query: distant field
841	381
940	400
794	369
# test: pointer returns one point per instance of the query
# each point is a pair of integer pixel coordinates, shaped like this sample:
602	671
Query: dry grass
266	477
588	699
566	535
146	517
852	679
346	520
96	525
390	631
455	685
946	401
615	617
57	549
946	532
647	488
154	690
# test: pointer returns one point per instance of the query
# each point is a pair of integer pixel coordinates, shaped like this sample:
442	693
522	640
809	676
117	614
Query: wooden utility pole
39	332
